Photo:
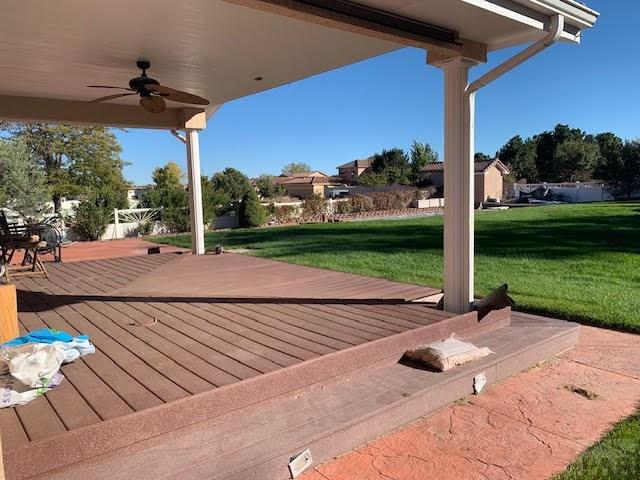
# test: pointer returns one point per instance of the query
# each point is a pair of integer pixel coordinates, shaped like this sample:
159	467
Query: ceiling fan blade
110	97
110	86
177	95
153	104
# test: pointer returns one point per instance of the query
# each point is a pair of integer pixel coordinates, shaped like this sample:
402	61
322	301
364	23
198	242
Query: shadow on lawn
536	238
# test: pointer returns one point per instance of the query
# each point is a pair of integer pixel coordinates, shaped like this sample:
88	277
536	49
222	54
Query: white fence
573	192
127	222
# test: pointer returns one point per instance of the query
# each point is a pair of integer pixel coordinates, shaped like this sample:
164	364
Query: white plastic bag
14	393
33	364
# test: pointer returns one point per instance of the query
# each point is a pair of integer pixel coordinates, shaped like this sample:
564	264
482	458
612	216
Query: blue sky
391	100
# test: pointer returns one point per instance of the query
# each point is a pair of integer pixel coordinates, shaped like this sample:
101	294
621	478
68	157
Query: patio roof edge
332	18
47	110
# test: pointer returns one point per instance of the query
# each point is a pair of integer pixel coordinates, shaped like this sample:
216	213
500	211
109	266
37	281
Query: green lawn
570	261
615	457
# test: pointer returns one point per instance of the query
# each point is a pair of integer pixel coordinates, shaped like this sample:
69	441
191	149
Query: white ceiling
210	48
53	49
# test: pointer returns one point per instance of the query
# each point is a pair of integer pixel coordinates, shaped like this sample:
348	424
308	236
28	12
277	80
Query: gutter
555	31
574	12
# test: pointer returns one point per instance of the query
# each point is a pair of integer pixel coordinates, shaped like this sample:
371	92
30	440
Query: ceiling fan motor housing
139	83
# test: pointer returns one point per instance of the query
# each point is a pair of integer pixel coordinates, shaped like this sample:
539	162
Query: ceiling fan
152	94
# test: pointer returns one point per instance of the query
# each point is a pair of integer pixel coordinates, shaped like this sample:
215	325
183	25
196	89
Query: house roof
359	163
479	166
315	173
302	180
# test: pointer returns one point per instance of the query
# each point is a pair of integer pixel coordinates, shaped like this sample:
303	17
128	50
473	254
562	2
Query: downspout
178	136
555	31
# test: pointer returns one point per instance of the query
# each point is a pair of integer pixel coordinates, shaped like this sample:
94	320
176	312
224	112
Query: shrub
251	212
389	200
344	208
361	203
312	206
176	220
92	219
284	213
144	228
427	192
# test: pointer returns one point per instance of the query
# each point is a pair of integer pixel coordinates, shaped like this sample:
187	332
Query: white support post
195	192
458	186
116	223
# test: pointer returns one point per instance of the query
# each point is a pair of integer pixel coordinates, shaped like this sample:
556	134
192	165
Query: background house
489	178
303	185
349	172
135	194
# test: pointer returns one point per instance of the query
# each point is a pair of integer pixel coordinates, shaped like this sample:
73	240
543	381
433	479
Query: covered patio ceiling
217	48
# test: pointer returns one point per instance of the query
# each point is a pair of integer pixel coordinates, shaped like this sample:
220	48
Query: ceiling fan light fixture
153	104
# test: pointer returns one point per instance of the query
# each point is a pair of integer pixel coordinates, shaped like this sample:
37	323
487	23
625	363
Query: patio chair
24	238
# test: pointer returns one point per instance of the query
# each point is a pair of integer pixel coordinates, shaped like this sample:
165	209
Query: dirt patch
588	394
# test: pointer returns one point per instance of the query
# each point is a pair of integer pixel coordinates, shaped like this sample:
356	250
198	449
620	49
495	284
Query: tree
610	161
421	155
299	167
509	151
232	183
169	194
393	164
76	160
22	180
251	212
549	166
523	165
369	178
170	174
575	159
624	179
482	157
267	187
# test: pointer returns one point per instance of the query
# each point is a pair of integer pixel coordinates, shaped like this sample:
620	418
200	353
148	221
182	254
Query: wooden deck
170	326
184	341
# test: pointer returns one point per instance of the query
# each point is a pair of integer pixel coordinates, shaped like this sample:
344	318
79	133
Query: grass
615	457
579	262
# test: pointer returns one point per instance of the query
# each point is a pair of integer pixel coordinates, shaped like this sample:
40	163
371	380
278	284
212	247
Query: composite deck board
201	347
154	380
200	322
294	336
216	314
373	312
304	315
338	323
13	433
125	317
383	327
105	371
285	315
168	326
